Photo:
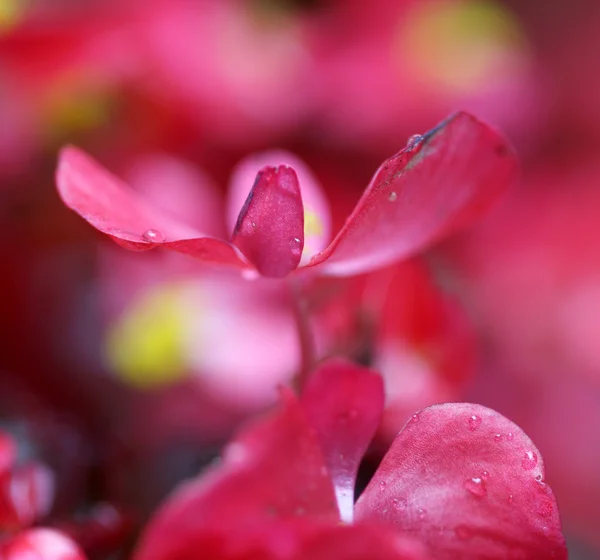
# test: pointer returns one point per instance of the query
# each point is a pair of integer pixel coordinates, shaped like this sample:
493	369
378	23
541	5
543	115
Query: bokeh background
127	372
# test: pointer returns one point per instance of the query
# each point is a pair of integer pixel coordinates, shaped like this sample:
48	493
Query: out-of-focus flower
459	479
439	182
41	544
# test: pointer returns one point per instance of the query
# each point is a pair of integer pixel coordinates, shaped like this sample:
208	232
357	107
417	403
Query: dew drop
153	236
498	437
476	486
485	475
415	418
253	224
399	503
509	436
413	140
511	498
540	479
393	197
529	461
297	239
463	532
382	485
422	513
474	422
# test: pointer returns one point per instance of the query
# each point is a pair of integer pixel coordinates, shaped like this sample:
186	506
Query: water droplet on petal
415	418
399	503
540	479
414	140
497	437
509	436
474	422
393	197
297	239
485	475
476	486
511	498
463	532
422	513
153	236
382	485
529	461
253	224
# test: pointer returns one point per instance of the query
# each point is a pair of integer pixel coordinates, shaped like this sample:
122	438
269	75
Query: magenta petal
112	207
435	185
270	227
273	471
470	484
344	403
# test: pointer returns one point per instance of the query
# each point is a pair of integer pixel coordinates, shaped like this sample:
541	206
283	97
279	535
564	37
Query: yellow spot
72	109
312	223
11	12
464	46
146	346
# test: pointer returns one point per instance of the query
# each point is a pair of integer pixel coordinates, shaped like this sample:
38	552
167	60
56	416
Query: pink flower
438	183
459	480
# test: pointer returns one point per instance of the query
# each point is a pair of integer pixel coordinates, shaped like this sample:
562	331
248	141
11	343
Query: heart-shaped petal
440	182
470	484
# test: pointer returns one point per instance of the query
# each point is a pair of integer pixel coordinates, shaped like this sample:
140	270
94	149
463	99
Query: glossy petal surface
273	471
470	484
270	226
344	402
112	207
438	183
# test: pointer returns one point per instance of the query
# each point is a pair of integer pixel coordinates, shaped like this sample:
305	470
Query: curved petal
317	218
344	402
438	183
112	207
270	227
8	452
41	544
273	471
470	483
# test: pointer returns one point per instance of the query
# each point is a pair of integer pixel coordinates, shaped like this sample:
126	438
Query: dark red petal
435	185
274	470
41	544
344	402
8	452
112	207
270	227
470	484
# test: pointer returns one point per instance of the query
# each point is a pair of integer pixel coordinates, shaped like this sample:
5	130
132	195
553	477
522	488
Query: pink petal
112	207
470	484
317	219
435	185
41	544
8	452
344	402
270	227
273	471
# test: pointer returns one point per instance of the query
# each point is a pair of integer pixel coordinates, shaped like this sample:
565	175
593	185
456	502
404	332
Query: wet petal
317	218
438	183
470	484
273	471
112	207
270	226
344	403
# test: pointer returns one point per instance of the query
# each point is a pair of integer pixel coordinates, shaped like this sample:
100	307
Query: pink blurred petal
270	227
274	470
344	403
41	544
470	483
113	208
317	220
440	182
8	452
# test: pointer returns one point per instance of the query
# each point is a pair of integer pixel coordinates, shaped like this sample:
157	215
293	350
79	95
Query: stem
305	334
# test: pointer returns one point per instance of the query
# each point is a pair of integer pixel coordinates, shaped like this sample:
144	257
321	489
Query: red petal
270	227
435	185
8	452
470	483
274	470
344	403
41	544
112	207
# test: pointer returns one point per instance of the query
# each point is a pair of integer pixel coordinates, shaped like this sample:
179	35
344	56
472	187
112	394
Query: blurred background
123	373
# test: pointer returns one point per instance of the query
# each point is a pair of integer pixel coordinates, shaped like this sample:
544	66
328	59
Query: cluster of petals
439	182
459	481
